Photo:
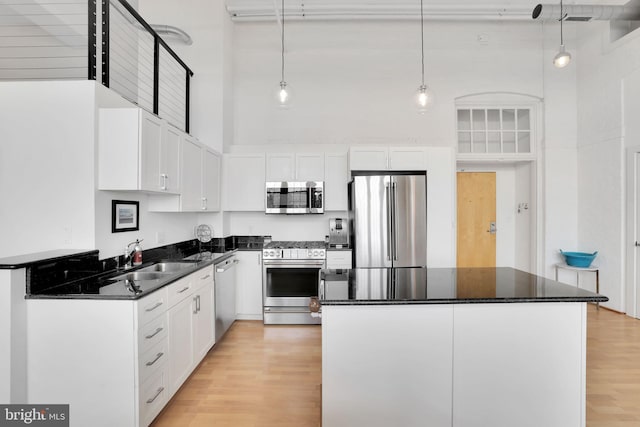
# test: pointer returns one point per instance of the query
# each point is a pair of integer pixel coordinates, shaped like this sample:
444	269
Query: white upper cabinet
137	151
211	166
150	144
280	167
191	198
336	180
200	168
387	158
244	182
368	158
407	158
170	159
310	167
295	167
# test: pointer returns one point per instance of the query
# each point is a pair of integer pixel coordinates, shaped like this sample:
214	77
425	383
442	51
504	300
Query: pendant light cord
422	37
282	42
561	19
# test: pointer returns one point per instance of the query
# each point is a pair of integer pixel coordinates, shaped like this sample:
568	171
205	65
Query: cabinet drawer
152	333
202	277
338	259
152	360
153	395
152	306
180	290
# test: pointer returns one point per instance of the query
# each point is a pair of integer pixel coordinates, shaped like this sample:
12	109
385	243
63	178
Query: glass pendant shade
283	95
423	99
563	58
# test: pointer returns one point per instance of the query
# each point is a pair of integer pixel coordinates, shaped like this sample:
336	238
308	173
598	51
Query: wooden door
476	244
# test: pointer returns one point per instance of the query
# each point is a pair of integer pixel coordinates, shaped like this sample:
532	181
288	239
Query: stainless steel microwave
294	197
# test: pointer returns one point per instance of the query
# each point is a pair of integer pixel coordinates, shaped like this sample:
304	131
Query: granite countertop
375	286
22	261
106	287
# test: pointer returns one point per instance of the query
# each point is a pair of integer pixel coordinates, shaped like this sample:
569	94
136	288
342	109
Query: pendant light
283	91
563	57
423	96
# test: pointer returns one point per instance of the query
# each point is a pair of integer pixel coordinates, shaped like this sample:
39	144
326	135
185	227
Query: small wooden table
595	269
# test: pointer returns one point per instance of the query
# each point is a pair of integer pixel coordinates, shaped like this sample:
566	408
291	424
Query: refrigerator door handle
394	210
387	194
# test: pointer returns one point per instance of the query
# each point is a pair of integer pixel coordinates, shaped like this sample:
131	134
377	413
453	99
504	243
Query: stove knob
272	253
315	253
309	253
322	253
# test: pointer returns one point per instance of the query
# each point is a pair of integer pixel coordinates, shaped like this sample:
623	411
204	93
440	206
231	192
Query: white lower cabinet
204	321
120	359
249	285
191	324
339	259
180	343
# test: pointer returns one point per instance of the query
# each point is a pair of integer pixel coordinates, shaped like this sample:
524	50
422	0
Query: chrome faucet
133	257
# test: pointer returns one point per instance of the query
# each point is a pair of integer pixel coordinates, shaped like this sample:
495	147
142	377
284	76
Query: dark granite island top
384	286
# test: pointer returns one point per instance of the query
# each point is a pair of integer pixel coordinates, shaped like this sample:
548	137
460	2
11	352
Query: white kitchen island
452	347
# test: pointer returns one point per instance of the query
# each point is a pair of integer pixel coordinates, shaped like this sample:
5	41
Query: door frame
536	236
631	293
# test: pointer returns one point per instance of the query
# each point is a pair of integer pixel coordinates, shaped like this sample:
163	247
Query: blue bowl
578	259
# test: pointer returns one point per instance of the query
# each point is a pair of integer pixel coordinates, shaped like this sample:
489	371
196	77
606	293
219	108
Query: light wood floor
270	377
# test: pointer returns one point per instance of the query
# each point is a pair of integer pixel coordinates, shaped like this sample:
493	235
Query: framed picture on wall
125	216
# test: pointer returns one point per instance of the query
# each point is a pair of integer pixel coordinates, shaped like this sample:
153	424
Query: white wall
48	174
46	166
602	69
524	218
559	173
353	82
207	22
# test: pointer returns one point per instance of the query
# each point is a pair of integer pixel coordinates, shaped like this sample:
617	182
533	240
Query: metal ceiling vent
585	13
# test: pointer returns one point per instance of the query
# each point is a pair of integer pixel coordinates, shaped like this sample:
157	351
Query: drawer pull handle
158	304
183	289
160	390
158	356
205	277
154	334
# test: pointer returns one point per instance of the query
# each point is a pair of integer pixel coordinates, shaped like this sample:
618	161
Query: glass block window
494	130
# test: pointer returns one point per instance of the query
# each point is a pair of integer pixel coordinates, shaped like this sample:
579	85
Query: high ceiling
252	10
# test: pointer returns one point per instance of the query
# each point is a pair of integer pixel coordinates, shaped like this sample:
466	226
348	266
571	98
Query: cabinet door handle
158	356
198	303
195	305
164	177
204	203
183	289
158	304
155	333
160	390
205	277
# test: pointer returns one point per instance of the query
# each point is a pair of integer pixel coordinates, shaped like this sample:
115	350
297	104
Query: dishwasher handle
226	266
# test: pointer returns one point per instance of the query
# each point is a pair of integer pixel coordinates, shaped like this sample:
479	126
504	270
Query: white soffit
267	10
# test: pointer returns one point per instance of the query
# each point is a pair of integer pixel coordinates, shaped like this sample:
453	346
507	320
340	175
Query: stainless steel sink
167	267
142	275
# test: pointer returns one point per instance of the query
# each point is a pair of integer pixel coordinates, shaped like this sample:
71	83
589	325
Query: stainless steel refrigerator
388	215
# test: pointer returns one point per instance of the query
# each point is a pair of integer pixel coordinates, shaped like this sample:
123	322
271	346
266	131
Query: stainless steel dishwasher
225	295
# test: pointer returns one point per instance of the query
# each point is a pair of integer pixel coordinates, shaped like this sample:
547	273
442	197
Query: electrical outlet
160	237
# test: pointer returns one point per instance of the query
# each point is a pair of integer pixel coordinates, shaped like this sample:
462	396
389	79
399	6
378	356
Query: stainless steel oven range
291	275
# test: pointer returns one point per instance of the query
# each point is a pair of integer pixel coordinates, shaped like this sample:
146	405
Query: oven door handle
293	264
